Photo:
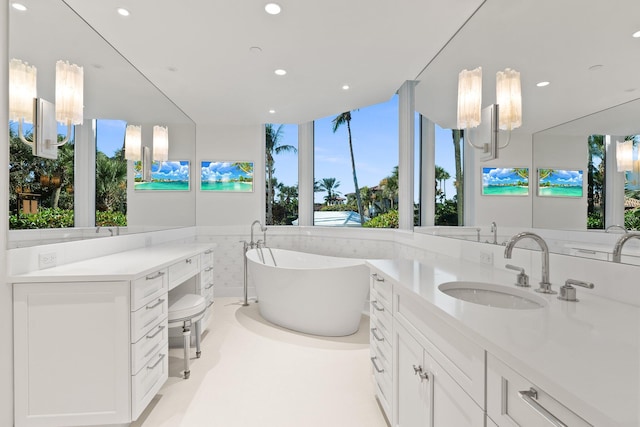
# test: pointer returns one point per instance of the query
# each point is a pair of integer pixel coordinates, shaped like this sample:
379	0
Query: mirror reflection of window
281	170
632	188
449	177
40	190
595	182
357	146
111	173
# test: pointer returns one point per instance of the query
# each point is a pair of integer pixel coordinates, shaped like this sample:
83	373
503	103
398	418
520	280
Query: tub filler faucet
617	249
252	243
545	285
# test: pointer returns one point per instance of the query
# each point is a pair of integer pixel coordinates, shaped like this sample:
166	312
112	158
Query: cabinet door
413	394
71	346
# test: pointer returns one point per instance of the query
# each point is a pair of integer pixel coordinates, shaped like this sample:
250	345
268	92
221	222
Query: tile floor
253	373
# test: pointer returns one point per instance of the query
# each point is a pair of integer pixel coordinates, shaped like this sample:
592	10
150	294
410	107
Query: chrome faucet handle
568	292
522	278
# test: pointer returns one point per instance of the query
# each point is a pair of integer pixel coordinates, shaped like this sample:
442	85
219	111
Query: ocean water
500	190
226	186
171	185
561	191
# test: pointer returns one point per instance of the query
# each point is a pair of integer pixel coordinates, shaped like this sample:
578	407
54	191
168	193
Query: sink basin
492	295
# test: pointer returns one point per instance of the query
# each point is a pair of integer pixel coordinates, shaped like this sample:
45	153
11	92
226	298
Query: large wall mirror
590	62
115	94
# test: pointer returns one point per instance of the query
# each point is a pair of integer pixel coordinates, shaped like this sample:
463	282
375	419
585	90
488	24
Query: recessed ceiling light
280	72
272	111
124	12
345	87
255	49
631	89
172	69
542	84
596	67
19	6
272	8
636	35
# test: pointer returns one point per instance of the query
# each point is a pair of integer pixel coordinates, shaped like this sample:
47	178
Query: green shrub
45	218
385	220
109	218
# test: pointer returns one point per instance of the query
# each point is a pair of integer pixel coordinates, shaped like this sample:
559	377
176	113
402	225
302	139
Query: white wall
6	311
166	208
562	152
510	211
236	144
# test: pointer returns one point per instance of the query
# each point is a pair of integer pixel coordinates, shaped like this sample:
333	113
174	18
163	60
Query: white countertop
585	354
126	265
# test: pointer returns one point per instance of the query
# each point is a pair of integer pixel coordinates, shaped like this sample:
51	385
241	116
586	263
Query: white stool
189	309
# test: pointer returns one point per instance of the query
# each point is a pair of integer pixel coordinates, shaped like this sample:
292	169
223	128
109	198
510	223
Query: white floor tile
253	373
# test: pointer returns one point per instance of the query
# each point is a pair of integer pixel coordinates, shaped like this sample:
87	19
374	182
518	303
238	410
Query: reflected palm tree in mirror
273	136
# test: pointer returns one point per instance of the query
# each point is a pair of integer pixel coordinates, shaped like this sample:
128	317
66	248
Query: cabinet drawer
145	317
206	277
463	359
206	258
382	373
148	288
183	270
380	311
207	293
144	349
146	383
380	336
513	400
382	286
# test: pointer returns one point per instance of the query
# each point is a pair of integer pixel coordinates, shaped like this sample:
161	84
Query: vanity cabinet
205	285
427	396
513	400
90	351
437	374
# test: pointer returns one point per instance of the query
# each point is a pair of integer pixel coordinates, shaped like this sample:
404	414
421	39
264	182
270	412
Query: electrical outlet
47	260
486	257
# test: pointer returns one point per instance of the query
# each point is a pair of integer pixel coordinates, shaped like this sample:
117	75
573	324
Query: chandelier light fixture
133	142
160	143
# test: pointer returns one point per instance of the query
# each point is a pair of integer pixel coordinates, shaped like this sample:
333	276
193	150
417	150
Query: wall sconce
624	155
26	107
506	114
160	143
133	142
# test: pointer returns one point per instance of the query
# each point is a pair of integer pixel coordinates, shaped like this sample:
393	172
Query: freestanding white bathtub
314	294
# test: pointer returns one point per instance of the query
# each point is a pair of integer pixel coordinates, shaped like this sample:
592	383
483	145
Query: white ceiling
371	45
197	52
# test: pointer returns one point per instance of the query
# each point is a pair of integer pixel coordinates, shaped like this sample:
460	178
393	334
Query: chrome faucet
252	243
545	285
617	249
494	230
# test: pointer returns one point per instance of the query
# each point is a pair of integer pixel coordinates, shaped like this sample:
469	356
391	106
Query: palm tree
329	185
594	179
272	148
441	177
389	187
337	122
111	183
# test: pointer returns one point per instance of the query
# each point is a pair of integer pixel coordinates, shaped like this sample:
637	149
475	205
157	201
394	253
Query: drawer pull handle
530	396
375	364
155	276
188	260
208	251
377	278
208	269
374	331
160	301
376	305
209	286
160	328
157	362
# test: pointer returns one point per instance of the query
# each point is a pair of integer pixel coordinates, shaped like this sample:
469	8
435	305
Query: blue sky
499	176
375	145
173	171
565	177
